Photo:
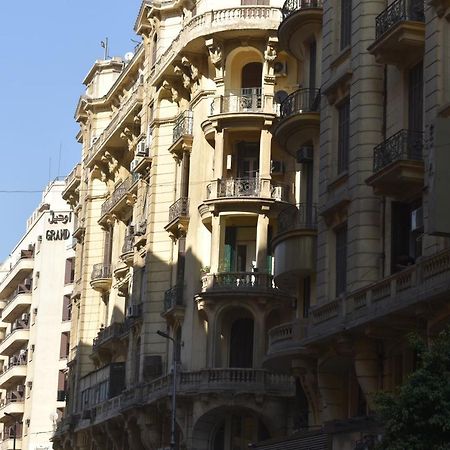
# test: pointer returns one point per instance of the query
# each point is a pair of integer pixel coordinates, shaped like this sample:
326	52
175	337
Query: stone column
218	154
264	162
217	241
262	229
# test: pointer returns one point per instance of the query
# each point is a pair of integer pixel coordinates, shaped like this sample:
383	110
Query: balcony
14	373
70	192
243	194
250	19
240	108
107	338
182	134
11	406
174	304
123	116
284	343
295	245
18	271
398	165
238	284
301	20
398	296
16	339
400	34
178	217
101	277
122	198
127	252
17	304
299	119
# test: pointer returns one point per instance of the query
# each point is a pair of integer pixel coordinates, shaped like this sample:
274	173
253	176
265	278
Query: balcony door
241	344
240	250
415	98
248	160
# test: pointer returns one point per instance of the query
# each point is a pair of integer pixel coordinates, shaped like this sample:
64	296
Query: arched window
241	343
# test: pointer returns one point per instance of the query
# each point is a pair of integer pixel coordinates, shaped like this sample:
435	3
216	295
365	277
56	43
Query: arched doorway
237	431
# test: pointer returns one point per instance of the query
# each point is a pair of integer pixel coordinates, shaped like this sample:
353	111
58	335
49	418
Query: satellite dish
129	56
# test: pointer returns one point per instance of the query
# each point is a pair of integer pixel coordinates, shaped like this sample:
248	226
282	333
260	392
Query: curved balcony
299	119
228	21
108	338
398	165
124	116
400	34
241	108
285	343
127	252
18	304
182	134
178	217
243	194
174	303
15	340
14	374
18	271
238	284
302	19
294	245
70	192
121	200
101	277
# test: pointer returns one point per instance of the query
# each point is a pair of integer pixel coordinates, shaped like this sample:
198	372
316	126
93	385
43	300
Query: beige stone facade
253	184
35	325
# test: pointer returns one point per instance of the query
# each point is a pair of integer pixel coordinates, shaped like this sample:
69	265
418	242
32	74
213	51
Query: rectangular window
346	23
69	274
341	259
343	135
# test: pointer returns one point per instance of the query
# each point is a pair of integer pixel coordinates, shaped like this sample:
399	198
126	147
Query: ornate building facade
253	186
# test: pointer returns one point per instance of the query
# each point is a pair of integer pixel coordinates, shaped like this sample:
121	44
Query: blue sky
46	49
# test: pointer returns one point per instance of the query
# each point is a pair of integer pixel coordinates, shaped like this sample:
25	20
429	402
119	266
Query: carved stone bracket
216	55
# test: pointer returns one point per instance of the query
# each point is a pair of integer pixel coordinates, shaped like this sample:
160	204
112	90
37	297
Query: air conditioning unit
417	219
141	149
280	68
28	282
140	228
130	229
133	311
25	317
305	154
20	388
277	167
134	164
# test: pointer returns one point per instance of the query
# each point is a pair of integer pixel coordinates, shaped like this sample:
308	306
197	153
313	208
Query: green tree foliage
416	415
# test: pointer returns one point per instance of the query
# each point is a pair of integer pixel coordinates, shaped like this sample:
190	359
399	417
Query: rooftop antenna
104	44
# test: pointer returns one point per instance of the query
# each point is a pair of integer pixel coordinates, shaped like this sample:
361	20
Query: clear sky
46	48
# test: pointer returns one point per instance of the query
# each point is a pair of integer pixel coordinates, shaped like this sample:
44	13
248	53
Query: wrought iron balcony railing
179	209
399	11
291	6
100	271
128	242
232	281
183	125
238	101
404	145
302	216
301	101
173	297
118	193
114	331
